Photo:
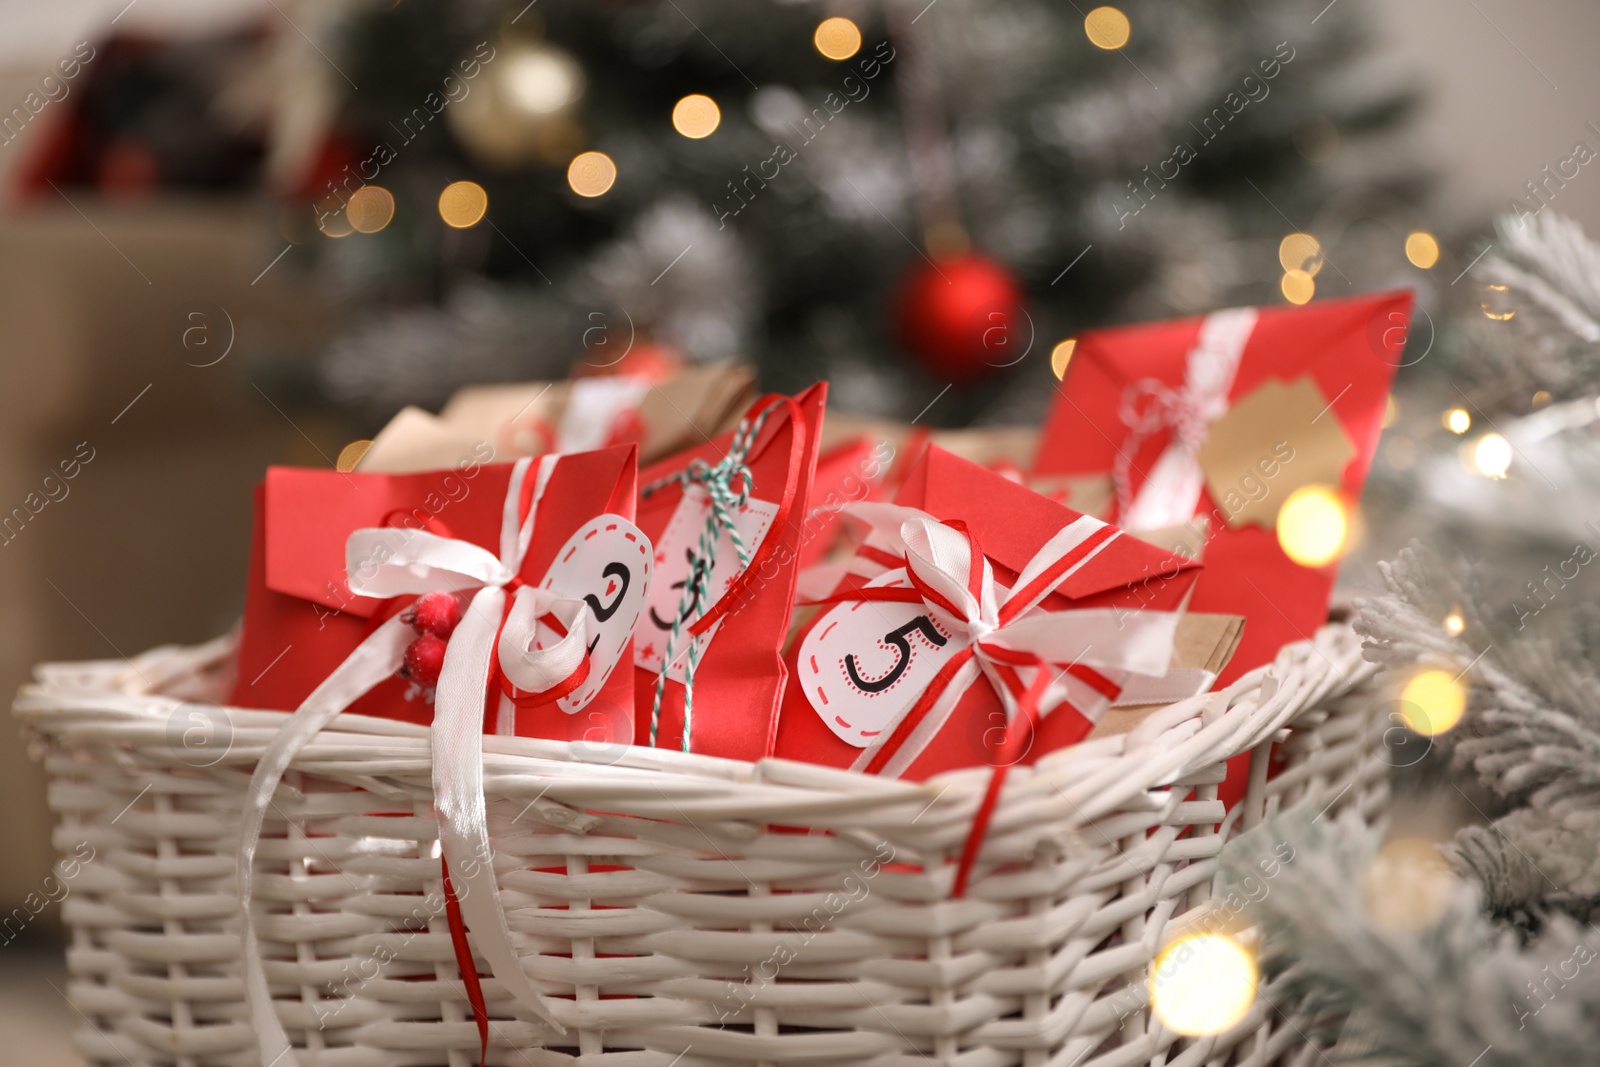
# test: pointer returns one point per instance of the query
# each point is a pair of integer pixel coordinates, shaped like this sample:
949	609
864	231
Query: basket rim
131	702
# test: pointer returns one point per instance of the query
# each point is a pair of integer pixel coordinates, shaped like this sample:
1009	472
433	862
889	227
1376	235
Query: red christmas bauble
962	317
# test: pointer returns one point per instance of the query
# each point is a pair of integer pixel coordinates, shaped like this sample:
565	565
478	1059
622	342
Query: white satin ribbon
1172	488
387	563
1122	645
534	670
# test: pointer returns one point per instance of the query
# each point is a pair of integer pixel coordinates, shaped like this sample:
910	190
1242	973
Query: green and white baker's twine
718	480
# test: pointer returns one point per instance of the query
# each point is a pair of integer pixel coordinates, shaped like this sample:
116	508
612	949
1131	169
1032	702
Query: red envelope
1348	347
740	674
1011	523
301	620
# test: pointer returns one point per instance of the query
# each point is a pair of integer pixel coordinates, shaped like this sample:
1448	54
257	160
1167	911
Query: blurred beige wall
1512	85
146	544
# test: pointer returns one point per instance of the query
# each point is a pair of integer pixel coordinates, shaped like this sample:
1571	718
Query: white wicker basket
682	909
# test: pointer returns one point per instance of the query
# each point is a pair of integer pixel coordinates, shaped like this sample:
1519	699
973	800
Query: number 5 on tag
863	664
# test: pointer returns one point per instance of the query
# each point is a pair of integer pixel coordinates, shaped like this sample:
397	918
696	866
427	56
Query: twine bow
491	652
1002	635
727	484
1172	489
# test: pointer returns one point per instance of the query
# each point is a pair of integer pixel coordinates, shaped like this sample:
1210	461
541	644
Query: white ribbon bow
1132	648
385	563
1172	489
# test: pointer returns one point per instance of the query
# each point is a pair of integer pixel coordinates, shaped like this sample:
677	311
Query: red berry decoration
962	317
424	660
436	614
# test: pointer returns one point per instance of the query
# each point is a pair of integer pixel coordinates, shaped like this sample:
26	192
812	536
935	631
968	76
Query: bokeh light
1203	984
1298	286
1492	456
1432	702
542	80
1391	410
1496	303
1107	28
1408	886
591	174
1541	398
1457	420
335	224
463	204
1422	249
1061	355
1300	251
350	455
370	209
1313	525
1454	624
837	38
696	116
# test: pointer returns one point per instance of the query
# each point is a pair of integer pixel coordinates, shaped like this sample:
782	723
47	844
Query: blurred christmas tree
915	196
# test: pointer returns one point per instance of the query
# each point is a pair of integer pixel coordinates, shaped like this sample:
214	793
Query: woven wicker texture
684	910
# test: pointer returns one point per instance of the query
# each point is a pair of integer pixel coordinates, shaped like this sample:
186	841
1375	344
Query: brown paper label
1270	443
1203	640
519	419
693	405
1206	641
415	440
1187	539
523	419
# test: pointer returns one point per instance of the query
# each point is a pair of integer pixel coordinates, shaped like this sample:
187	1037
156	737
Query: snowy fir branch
1540	285
1531	865
1533	727
1552	267
1461	990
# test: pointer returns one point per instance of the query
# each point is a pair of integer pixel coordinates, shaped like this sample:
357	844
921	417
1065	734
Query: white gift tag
607	562
677	559
865	663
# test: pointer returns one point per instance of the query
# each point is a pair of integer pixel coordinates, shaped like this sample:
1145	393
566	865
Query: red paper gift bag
743	610
868	677
302	621
1224	416
846	473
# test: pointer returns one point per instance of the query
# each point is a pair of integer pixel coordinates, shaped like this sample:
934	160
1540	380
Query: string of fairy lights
1202	982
